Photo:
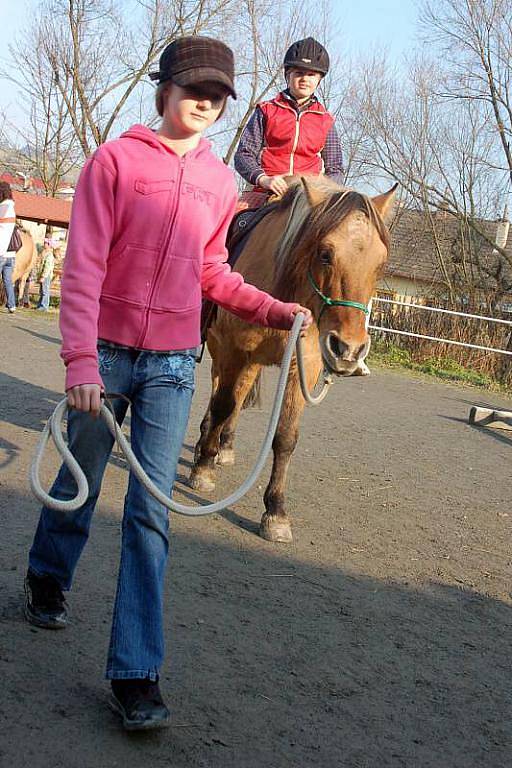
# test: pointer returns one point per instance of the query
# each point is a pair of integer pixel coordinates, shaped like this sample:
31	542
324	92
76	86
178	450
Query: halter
327	302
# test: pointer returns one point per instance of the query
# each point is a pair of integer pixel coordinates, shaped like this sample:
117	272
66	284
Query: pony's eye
325	256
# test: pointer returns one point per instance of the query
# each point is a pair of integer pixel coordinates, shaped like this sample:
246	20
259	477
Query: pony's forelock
314	224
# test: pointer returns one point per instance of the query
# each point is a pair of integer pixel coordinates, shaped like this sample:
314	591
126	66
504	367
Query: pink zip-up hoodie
147	240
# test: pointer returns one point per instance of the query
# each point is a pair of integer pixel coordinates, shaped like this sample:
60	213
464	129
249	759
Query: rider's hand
308	317
275	184
85	397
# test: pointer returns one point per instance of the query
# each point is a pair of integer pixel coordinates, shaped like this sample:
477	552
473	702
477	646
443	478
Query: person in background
292	133
7	222
45	275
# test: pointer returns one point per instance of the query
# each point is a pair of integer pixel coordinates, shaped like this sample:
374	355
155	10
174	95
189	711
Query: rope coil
53	429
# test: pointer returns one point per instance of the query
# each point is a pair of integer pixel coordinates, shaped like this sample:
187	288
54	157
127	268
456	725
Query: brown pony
321	242
24	262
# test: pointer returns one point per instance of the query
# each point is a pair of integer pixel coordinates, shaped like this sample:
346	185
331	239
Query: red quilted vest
293	142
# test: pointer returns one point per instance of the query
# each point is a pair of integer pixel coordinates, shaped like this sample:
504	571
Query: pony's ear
314	195
384	203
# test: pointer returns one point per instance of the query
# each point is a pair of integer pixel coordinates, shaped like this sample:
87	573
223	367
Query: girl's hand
308	317
275	184
85	397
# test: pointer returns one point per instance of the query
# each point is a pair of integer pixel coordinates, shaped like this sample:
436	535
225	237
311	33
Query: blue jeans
44	293
160	387
6	270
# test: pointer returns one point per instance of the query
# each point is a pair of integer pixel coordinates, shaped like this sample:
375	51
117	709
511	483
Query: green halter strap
327	302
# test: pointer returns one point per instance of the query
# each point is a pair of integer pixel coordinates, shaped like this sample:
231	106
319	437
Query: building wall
36	230
405	289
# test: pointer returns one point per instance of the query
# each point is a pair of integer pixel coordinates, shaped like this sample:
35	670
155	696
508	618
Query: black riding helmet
307	54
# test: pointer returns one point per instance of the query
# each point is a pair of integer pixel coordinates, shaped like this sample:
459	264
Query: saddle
239	230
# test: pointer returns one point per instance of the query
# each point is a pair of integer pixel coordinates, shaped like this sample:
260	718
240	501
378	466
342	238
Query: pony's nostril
360	351
336	347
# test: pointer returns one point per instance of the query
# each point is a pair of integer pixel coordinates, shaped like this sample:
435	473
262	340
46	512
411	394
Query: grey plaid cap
193	60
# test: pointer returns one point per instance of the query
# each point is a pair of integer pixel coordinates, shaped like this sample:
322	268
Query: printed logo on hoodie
197	193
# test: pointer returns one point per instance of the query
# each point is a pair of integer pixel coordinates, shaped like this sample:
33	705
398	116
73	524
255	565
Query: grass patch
392	356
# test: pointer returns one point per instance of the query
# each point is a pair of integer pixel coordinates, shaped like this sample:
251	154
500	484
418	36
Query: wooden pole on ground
486	417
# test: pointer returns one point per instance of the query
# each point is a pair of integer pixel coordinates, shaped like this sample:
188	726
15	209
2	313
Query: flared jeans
160	388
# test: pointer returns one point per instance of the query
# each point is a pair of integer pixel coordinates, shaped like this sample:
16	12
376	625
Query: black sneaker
45	605
140	704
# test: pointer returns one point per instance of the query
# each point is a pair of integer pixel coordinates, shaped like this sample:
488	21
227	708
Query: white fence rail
438	338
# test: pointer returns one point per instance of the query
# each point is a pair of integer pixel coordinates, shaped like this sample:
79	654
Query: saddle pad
241	226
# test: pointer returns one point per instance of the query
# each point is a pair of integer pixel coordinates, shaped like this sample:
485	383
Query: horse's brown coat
343	241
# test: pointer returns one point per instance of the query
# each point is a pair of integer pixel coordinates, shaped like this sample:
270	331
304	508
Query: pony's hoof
225	457
276	529
362	370
201	480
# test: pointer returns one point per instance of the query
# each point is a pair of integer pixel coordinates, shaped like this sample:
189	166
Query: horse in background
25	261
323	247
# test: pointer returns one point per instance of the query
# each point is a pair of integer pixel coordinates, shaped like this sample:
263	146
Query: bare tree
264	30
47	147
443	156
93	56
475	37
96	52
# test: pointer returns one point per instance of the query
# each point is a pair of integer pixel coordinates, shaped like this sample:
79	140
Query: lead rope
53	428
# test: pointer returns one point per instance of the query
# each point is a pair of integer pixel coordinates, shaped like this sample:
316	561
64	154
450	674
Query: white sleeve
6	212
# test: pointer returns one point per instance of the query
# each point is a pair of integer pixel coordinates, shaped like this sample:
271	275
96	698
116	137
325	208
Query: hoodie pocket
153	186
179	285
130	275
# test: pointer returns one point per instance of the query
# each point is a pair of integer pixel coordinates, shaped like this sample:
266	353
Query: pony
324	247
24	262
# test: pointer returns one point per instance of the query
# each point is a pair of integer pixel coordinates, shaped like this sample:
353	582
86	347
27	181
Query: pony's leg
21	288
233	387
205	426
226	454
275	524
204	429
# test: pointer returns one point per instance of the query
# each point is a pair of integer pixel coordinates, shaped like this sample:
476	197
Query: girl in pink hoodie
147	240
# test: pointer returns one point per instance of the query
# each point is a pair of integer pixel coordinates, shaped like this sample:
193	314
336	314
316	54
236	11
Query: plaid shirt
252	141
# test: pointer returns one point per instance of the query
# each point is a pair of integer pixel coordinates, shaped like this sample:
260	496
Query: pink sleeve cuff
280	315
83	370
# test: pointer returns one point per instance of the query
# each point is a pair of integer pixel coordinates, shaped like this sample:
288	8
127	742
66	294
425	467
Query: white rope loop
54	427
309	397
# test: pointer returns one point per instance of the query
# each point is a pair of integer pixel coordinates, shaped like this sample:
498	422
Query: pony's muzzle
342	356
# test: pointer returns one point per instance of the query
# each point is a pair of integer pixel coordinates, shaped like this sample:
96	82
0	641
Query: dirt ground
380	637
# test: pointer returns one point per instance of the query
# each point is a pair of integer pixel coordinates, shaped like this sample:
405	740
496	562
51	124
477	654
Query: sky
371	24
365	26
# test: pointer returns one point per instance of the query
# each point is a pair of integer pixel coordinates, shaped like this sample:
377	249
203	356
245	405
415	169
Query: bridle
328	302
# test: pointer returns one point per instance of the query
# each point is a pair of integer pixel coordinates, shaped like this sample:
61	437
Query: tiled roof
47	210
414	252
17	182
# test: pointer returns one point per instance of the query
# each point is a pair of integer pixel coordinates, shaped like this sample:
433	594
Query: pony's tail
253	397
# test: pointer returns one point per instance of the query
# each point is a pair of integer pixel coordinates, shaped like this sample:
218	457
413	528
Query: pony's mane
314	224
